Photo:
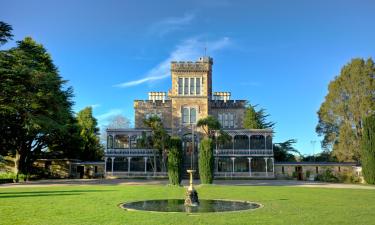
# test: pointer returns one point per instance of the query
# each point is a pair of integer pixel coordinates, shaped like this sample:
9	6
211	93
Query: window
226	120
192	91
193	115
185	115
189	115
186	86
180	86
189	86
198	86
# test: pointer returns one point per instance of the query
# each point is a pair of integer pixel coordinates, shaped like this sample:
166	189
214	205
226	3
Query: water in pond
177	205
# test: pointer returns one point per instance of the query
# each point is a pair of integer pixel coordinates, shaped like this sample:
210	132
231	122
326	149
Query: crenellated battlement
227	104
203	64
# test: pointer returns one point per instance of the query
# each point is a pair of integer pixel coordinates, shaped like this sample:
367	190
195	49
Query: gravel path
77	182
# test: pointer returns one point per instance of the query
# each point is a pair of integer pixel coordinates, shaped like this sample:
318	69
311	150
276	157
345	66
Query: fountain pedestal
191	198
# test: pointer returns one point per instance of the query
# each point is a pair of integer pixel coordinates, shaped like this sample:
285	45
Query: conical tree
368	149
175	161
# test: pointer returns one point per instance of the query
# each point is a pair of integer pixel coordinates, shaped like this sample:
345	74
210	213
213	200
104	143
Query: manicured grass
98	204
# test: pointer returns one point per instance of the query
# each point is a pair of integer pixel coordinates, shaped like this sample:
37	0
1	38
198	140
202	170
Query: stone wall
142	107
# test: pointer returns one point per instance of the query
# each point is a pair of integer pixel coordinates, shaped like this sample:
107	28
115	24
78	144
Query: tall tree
256	119
5	32
350	98
34	106
159	138
368	149
89	132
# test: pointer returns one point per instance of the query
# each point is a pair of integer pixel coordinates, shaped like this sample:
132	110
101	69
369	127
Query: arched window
257	142
193	115
241	142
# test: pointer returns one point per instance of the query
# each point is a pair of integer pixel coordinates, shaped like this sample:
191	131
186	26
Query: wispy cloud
171	24
105	117
189	49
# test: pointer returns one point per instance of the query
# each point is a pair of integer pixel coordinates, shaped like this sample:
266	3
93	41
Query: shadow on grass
46	193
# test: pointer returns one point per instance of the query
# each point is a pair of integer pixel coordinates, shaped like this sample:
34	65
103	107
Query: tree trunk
16	164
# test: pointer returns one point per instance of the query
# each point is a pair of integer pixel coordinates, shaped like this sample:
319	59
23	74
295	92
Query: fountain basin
177	205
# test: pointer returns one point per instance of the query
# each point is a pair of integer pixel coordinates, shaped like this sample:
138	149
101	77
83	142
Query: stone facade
248	154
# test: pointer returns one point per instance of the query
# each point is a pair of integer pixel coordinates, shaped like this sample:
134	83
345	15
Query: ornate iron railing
243	152
129	152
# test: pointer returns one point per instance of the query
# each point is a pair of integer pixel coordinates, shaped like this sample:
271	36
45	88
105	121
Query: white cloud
170	24
189	49
105	117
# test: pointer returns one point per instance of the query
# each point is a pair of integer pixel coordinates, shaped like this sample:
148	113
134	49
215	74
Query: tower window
198	86
186	86
180	86
189	115
192	91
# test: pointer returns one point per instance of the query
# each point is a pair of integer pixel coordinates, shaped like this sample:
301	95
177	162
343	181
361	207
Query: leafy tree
285	152
175	161
91	149
349	100
5	32
159	138
206	161
256	119
34	106
210	125
368	149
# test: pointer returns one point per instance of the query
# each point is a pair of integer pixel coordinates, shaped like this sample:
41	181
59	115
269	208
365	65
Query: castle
248	154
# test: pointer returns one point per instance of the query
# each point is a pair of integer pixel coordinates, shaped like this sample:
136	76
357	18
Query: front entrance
80	171
190	154
299	172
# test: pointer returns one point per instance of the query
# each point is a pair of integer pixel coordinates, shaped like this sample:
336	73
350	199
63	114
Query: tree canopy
350	98
5	32
35	106
256	119
89	133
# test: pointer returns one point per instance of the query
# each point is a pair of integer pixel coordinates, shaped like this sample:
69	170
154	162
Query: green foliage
5	32
349	100
327	176
34	105
175	161
206	161
368	150
89	133
285	152
209	125
256	119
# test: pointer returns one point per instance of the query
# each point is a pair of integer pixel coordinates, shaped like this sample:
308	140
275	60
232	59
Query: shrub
327	176
308	173
368	149
175	161
206	161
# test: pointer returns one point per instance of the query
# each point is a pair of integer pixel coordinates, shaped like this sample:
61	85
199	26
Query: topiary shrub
206	161
368	149
175	161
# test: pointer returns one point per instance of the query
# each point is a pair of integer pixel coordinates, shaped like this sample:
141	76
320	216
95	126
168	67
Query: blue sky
278	54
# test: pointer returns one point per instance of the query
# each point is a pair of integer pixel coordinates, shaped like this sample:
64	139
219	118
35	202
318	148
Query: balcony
130	152
242	152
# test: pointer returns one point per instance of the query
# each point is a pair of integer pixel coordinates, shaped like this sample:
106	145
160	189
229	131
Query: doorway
299	172
80	171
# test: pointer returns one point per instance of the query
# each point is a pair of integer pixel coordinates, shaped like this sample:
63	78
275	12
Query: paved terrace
78	182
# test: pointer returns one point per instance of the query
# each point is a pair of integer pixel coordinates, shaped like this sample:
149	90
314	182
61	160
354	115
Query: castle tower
190	93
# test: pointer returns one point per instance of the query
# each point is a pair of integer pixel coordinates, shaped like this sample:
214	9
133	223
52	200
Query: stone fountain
191	198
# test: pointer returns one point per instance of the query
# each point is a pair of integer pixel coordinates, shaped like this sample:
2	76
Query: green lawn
98	204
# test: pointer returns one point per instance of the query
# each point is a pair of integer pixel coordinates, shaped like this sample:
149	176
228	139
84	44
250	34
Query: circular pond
177	205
